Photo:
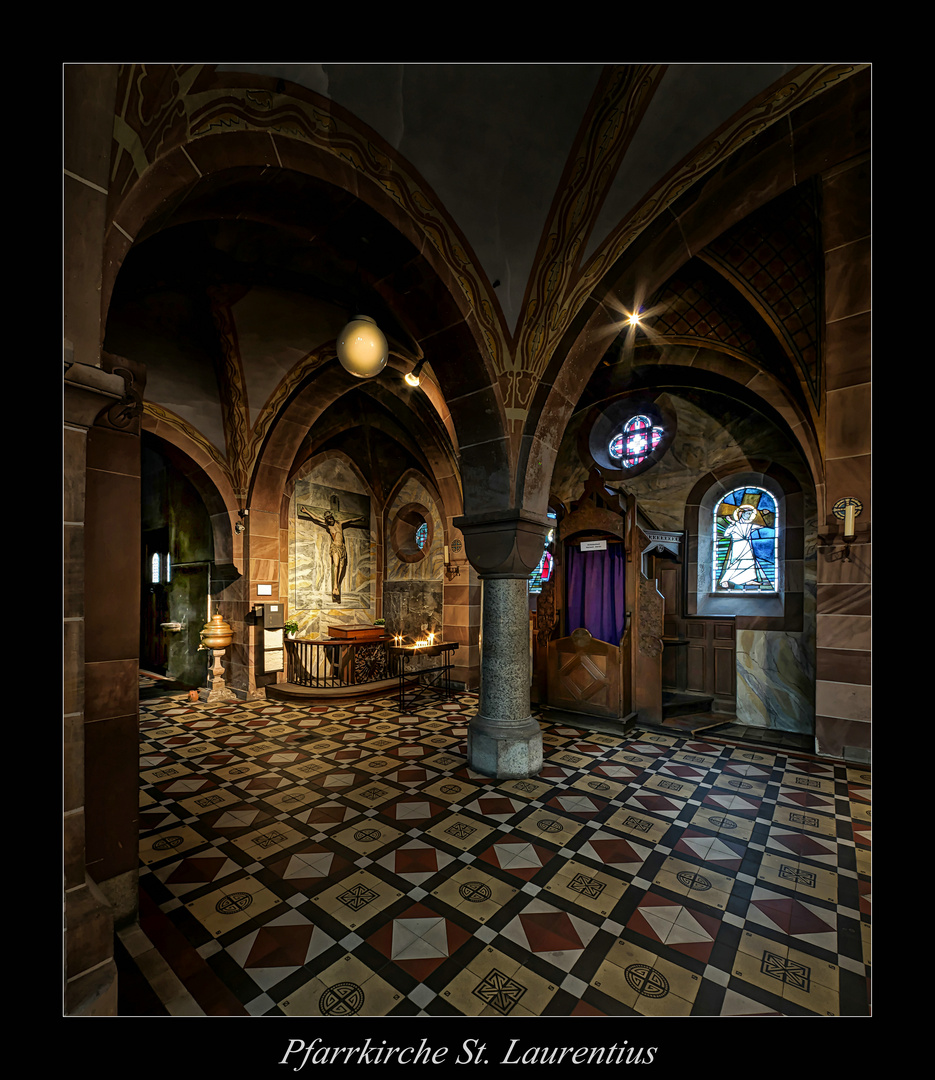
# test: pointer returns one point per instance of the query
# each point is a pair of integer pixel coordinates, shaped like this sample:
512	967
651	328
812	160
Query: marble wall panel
775	681
413	608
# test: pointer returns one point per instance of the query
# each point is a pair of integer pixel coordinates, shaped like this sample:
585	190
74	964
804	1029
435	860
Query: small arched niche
411	532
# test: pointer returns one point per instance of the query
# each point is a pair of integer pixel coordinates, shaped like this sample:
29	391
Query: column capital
88	390
504	544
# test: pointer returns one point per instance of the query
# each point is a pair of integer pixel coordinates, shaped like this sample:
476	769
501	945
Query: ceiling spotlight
413	376
634	319
362	348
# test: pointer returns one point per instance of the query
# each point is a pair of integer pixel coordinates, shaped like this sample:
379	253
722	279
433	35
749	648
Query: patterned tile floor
346	861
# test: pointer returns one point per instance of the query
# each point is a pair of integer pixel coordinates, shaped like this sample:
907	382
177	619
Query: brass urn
217	634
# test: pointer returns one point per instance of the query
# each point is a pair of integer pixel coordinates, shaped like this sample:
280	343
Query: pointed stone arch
780	157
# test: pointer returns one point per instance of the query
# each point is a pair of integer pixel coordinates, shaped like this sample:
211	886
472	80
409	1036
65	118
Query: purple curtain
596	593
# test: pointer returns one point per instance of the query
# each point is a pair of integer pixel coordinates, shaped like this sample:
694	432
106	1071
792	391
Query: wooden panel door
699	656
584	676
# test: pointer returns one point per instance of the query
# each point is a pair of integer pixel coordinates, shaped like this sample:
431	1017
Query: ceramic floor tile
171	842
806	923
794	975
356	899
196	871
239	902
419	940
614	851
495	984
340	861
806	880
415	861
475	893
728	825
347	988
367	837
703	884
305	867
717	850
597	891
460	831
544	824
685	929
644	982
640	826
279	947
554	935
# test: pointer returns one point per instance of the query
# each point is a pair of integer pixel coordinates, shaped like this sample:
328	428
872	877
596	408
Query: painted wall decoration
333	563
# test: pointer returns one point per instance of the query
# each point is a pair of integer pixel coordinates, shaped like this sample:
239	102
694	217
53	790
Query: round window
636	441
411	532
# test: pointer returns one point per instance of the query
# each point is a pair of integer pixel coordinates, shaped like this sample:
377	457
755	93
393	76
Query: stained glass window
160	568
543	571
746	542
422	535
636	441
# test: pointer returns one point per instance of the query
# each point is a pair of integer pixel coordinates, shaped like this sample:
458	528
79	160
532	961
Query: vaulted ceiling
531	180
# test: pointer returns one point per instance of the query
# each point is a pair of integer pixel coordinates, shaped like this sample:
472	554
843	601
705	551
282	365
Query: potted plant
291	628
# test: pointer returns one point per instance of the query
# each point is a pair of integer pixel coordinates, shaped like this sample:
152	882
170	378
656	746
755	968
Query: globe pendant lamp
362	348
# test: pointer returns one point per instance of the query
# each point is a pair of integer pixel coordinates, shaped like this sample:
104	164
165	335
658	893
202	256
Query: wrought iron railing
331	663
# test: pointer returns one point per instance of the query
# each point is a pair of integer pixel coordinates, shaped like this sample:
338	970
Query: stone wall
775	669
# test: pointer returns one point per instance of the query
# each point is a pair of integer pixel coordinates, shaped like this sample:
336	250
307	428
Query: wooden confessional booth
599	620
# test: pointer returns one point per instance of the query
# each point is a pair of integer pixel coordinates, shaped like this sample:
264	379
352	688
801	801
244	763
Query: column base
505	749
216	690
216	694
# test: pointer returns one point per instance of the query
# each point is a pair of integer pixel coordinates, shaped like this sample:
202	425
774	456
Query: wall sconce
362	348
849	510
450	570
413	376
239	525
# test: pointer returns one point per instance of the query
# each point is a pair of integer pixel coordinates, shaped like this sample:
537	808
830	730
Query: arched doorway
177	556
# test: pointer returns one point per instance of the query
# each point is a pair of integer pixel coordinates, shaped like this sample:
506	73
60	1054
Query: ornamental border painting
333	560
746	540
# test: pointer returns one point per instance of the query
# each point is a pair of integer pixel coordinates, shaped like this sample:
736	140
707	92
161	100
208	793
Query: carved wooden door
584	676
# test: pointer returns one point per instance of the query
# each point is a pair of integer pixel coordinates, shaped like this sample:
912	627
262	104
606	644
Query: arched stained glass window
637	440
746	542
543	572
422	535
160	568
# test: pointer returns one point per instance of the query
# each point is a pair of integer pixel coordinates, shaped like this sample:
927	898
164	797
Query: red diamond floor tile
536	926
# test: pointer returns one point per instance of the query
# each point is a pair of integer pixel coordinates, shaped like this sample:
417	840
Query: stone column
90	972
504	740
843	695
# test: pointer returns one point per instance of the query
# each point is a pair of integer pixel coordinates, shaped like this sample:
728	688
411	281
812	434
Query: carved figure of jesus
335	530
741	566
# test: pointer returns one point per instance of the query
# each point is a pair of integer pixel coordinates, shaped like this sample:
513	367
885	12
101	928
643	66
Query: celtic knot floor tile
347	861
